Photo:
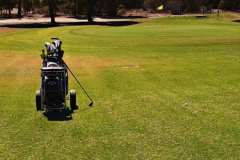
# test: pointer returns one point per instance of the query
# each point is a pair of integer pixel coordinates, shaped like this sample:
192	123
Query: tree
28	5
176	6
231	5
75	7
152	4
192	5
130	4
9	5
91	10
52	10
19	15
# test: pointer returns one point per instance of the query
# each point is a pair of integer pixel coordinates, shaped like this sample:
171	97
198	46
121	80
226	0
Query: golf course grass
166	88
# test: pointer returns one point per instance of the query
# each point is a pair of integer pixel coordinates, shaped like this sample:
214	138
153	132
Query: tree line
91	8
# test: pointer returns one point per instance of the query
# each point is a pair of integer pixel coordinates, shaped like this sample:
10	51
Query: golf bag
54	80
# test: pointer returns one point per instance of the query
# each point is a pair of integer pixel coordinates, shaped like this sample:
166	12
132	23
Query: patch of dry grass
5	30
94	64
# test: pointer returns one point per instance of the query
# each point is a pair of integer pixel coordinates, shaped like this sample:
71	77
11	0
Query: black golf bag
54	81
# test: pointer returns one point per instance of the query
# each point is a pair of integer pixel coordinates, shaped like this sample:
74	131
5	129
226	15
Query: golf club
81	86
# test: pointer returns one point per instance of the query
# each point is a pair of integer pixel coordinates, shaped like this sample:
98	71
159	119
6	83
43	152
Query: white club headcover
57	44
50	47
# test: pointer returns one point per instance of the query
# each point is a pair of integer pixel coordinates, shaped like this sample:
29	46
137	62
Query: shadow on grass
201	17
48	25
237	21
65	115
110	17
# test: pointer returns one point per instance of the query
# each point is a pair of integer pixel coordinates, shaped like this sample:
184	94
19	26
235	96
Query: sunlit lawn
166	88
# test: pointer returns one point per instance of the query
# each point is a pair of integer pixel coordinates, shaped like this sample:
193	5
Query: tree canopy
89	8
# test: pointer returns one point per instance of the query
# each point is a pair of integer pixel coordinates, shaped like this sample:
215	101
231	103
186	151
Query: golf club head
57	44
55	38
49	47
91	104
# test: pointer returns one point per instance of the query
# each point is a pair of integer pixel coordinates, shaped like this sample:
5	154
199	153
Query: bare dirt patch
140	13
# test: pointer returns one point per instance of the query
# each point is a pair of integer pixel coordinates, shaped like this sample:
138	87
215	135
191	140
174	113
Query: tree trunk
90	14
9	12
75	8
52	8
19	9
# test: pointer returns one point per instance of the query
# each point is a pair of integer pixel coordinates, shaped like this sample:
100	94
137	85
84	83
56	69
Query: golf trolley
54	92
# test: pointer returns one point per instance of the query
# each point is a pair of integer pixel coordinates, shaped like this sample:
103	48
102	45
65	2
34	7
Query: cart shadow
65	115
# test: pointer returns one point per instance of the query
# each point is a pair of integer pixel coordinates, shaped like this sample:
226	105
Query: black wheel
73	100
38	101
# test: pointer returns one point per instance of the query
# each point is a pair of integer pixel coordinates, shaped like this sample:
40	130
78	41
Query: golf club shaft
78	82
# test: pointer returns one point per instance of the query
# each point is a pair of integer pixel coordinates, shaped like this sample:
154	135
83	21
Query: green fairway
166	88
